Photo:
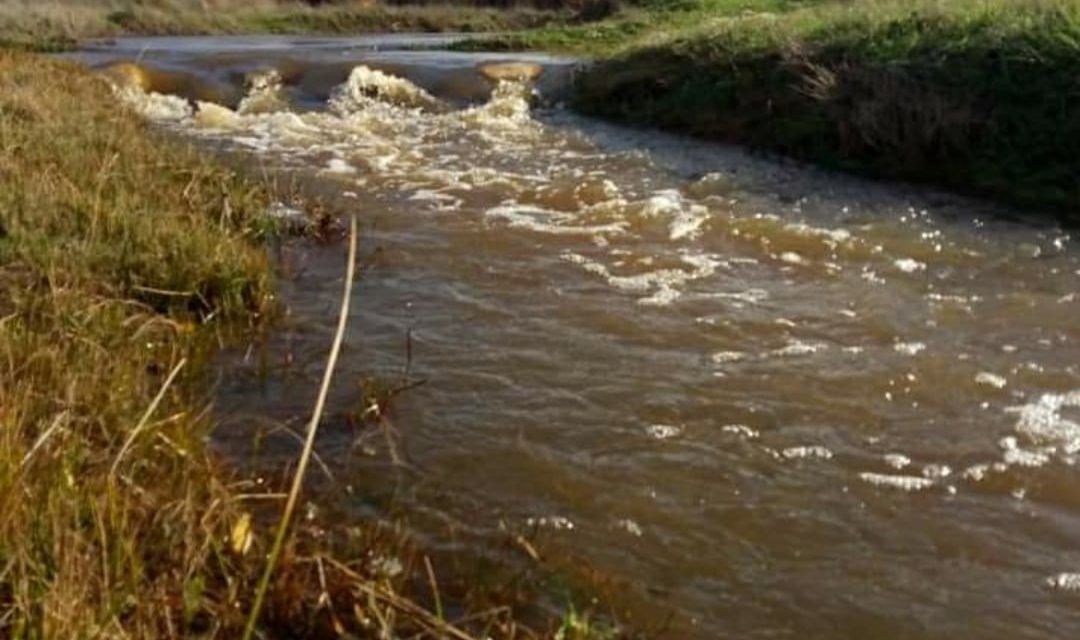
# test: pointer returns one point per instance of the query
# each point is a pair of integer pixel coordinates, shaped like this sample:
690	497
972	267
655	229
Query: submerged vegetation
979	96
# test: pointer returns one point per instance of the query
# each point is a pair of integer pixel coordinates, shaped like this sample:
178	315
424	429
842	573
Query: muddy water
774	402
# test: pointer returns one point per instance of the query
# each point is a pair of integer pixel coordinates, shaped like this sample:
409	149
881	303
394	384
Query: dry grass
116	252
125	259
45	25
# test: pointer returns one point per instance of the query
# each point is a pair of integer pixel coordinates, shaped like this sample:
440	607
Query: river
769	400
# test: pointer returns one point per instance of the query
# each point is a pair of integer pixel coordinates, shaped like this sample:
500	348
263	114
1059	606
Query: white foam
909	348
990	379
798	347
897	460
807	451
724	357
366	86
551	522
1064	582
665	284
740	430
907	265
630	527
904	483
936	471
547	221
1041	421
156	107
663	431
976	472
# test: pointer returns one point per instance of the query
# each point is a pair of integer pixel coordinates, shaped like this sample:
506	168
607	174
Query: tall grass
116	255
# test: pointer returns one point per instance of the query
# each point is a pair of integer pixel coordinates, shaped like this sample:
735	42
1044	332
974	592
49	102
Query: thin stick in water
309	443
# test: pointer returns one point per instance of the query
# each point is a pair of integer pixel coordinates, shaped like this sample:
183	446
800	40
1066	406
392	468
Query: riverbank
58	26
978	97
126	260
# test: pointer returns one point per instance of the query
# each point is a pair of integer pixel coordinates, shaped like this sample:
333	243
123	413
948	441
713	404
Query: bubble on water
907	265
630	527
740	430
897	460
936	471
990	380
904	483
1065	581
1041	421
807	451
798	347
791	257
976	472
724	357
663	431
909	348
1014	455
559	523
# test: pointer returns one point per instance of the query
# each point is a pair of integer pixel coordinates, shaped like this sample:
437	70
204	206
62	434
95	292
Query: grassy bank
124	259
115	251
979	96
46	25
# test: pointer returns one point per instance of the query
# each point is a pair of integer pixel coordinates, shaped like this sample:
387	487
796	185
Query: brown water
776	402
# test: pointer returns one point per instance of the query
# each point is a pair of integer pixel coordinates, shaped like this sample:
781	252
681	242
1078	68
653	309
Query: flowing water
772	401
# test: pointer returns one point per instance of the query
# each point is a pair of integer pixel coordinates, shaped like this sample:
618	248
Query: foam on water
367	87
807	451
663	431
904	483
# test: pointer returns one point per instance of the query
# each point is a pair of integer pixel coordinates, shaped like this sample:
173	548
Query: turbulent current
766	400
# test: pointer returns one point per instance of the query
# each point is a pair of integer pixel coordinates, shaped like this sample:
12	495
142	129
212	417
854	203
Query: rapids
773	401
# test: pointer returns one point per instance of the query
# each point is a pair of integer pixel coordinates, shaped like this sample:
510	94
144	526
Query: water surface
776	402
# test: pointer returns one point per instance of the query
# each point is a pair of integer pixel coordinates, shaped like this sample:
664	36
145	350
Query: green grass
979	96
632	24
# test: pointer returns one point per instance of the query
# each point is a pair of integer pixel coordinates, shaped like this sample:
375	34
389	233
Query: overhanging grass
124	257
115	253
975	95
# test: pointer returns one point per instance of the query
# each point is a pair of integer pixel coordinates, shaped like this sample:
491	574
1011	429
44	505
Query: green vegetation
980	96
49	26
